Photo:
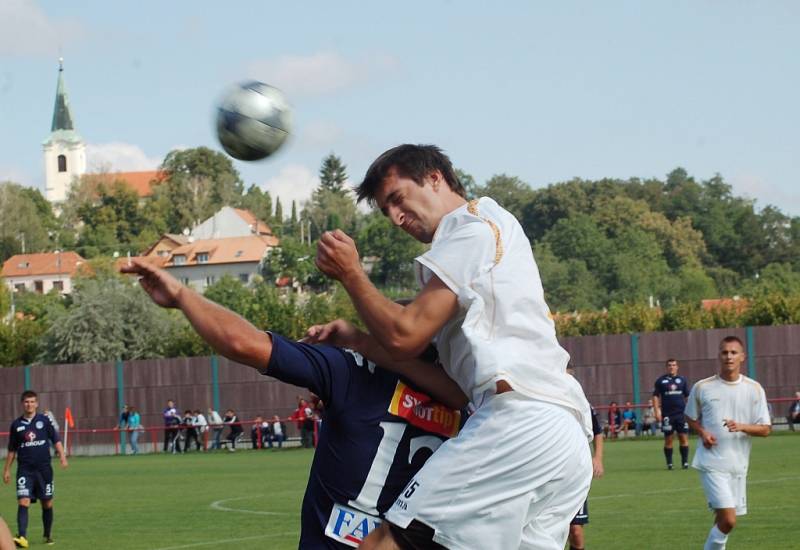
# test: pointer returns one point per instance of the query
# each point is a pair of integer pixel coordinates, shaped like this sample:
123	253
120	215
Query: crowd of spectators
201	432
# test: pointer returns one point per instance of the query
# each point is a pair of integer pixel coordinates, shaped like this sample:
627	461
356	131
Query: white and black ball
253	120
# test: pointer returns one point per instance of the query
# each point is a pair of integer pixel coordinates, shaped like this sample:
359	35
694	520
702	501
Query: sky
543	91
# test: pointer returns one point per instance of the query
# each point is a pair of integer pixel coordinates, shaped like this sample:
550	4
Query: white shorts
725	490
514	477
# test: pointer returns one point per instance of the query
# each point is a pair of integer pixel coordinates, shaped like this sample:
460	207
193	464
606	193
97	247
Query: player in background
377	430
669	400
29	441
725	410
576	538
521	466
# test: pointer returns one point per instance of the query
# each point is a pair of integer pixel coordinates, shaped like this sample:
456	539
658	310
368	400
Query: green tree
110	318
510	192
22	227
468	182
333	175
389	251
329	210
199	182
258	202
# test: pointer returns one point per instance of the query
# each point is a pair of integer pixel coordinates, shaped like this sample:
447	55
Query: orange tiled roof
141	182
45	263
260	228
223	251
175	238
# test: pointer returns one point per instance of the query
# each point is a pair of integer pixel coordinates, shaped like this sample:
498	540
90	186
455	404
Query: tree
22	227
390	251
468	183
110	318
199	182
258	202
510	192
329	210
333	175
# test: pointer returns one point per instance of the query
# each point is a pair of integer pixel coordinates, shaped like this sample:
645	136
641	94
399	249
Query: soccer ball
253	120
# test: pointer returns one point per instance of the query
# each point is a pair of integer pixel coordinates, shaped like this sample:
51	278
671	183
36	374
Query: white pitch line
218	505
224	541
683	489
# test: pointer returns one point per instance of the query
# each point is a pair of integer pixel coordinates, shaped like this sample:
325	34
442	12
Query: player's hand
732	425
6	476
708	440
337	255
338	333
63	460
162	287
597	468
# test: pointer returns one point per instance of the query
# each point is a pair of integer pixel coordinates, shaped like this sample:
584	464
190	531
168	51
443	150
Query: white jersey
712	401
503	330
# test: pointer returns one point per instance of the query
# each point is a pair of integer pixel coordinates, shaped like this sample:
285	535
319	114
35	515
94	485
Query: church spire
62	116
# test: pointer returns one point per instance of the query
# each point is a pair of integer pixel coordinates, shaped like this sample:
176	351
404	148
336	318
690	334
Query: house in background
231	222
232	242
42	272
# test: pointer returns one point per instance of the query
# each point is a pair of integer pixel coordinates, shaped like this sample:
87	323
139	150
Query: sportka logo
350	526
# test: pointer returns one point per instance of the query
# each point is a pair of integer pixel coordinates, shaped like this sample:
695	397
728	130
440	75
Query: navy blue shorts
674	423
582	517
35	483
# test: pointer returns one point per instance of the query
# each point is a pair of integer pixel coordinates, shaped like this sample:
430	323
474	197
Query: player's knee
726	522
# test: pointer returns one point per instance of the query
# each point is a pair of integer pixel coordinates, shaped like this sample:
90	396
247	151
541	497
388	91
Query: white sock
716	539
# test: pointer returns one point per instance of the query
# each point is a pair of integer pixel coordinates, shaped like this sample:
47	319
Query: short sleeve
322	369
52	433
693	404
596	428
465	250
685	388
760	408
656	392
13	440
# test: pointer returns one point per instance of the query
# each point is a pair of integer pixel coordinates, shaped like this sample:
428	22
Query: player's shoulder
750	383
705	382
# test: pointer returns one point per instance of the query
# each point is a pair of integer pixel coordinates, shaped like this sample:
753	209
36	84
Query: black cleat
49	541
669	466
685	466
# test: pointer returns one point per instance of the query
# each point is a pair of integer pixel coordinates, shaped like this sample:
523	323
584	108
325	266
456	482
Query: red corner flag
69	419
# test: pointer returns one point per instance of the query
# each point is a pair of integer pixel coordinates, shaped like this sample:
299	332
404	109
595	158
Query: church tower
64	150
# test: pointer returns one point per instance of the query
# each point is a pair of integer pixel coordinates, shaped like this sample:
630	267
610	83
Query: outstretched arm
226	332
403	331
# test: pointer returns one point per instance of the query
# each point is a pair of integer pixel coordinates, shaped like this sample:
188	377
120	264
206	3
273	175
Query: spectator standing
232	421
171	422
189	430
201	427
122	424
134	428
794	411
277	432
669	398
257	432
215	422
614	420
304	418
650	418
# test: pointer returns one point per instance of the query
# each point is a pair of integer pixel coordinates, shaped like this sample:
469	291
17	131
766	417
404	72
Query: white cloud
319	74
765	193
25	29
293	183
119	157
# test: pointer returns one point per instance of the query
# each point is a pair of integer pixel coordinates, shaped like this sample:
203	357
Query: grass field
251	499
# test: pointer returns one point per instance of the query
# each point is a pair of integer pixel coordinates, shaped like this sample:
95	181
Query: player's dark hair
409	161
671	360
729	339
28	393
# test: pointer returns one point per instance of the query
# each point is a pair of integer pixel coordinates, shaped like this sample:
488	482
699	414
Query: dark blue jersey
672	391
376	434
31	439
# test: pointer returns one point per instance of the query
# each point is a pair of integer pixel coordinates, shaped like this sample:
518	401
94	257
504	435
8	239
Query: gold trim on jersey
472	208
